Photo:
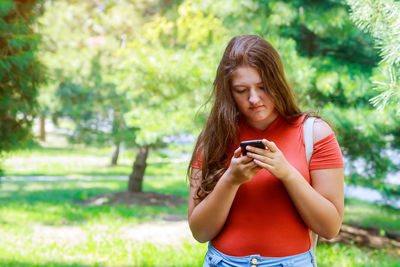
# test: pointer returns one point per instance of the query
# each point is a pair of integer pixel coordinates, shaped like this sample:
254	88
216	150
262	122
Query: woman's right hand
242	169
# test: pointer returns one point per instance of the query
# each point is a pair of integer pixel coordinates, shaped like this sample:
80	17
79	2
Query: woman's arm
329	184
207	217
320	204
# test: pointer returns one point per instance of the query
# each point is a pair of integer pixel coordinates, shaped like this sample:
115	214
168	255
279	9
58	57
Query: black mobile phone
254	143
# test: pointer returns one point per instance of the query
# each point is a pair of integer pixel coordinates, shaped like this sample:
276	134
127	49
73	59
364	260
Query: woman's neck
264	124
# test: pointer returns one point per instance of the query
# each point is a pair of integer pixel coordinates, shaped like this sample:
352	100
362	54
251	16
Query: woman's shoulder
321	130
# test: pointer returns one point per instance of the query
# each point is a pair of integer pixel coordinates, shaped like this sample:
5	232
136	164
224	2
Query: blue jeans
214	258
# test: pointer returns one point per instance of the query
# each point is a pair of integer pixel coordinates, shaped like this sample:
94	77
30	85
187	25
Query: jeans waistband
302	259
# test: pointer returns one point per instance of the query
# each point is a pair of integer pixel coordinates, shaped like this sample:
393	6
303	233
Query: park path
164	233
173	233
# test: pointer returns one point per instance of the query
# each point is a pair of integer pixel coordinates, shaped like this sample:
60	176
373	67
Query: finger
261	158
256	166
237	153
262	164
245	160
259	151
251	165
270	145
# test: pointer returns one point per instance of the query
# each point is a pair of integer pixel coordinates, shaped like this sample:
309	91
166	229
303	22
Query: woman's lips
255	108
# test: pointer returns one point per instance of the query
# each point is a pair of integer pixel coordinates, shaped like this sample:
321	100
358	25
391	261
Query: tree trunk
136	177
115	154
42	121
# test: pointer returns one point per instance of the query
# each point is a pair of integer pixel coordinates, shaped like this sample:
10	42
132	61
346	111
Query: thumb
237	153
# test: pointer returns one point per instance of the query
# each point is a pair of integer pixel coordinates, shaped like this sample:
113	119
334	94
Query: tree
380	18
81	63
171	70
20	72
144	75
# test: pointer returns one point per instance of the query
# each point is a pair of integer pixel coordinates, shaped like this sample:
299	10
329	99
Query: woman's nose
253	97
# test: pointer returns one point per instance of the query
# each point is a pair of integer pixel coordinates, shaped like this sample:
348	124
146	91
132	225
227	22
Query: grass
34	214
42	223
111	252
55	203
339	255
366	214
90	161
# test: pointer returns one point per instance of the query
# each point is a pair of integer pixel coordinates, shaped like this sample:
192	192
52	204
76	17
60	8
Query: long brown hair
219	133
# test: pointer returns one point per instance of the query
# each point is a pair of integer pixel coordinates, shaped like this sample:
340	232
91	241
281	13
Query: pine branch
381	18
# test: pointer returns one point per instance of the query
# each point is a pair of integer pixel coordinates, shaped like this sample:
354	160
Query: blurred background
101	102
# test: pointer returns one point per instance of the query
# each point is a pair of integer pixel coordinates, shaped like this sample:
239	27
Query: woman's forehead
245	75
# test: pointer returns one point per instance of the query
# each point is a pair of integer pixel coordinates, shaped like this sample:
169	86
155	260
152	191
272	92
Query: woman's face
252	99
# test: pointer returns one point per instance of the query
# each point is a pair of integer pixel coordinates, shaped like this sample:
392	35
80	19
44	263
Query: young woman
259	209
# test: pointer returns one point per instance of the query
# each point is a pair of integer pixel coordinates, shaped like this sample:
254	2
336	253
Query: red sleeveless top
262	219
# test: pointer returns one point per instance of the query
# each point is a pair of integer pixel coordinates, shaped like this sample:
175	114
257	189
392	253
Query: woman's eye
261	87
241	91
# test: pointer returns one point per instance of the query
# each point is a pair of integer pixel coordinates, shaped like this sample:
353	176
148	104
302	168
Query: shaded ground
175	229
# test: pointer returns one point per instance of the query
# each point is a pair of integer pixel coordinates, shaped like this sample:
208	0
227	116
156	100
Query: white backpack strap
308	137
309	146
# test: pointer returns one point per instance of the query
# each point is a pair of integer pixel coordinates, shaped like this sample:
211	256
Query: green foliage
81	64
20	72
111	80
167	71
165	97
138	71
341	59
381	20
132	84
365	137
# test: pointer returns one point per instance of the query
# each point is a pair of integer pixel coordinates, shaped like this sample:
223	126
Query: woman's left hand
271	159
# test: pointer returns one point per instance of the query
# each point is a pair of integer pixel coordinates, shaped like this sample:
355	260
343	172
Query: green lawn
91	161
43	223
366	214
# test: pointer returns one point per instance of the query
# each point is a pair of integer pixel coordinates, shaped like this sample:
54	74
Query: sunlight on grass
371	215
338	255
89	161
64	162
98	248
